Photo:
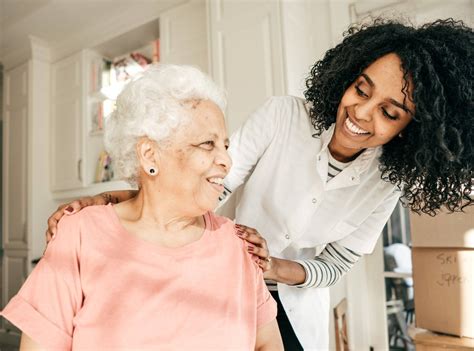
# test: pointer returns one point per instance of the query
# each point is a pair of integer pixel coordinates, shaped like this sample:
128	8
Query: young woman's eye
360	92
388	115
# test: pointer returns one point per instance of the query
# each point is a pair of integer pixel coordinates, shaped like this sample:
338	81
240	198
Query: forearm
118	196
329	267
286	272
323	271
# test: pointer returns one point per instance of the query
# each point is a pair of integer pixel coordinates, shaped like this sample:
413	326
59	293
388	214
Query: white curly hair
154	105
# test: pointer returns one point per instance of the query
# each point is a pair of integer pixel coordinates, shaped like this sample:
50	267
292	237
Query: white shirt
287	198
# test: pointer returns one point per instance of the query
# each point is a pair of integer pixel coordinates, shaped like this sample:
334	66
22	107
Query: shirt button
353	178
319	158
314	200
287	236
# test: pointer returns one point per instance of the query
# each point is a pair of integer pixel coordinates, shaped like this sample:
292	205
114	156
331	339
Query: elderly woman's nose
223	159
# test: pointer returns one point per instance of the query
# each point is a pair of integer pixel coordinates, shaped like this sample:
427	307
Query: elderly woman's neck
163	211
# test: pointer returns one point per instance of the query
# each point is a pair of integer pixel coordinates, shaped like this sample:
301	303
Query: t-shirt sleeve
363	239
46	304
266	304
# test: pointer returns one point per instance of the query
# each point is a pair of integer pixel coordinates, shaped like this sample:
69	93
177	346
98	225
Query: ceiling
69	25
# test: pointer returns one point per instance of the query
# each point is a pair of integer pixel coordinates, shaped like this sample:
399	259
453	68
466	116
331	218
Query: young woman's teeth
218	181
353	128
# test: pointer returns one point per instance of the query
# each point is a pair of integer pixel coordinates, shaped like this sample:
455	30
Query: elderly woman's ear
147	152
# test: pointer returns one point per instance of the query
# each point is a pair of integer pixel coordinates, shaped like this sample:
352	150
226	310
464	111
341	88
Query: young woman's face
194	165
373	110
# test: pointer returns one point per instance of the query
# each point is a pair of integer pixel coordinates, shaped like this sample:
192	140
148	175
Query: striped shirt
335	167
327	268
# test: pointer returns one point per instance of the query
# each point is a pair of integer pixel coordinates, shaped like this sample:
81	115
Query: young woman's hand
278	269
69	209
259	246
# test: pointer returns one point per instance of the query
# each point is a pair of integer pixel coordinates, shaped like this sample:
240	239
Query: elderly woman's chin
207	201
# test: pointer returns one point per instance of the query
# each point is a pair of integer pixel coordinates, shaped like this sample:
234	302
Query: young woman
388	113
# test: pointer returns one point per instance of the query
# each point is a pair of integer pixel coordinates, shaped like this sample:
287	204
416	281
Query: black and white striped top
335	167
327	268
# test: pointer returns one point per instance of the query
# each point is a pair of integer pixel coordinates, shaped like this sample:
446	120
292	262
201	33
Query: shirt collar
362	162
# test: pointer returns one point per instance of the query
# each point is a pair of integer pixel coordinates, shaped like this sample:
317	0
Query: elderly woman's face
195	163
373	110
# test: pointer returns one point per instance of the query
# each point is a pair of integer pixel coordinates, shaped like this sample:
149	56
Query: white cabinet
26	196
246	51
66	124
15	134
183	35
74	147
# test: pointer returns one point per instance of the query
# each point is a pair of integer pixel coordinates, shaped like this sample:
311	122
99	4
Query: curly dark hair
433	161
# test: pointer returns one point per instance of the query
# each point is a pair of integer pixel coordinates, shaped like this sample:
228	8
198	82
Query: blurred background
63	62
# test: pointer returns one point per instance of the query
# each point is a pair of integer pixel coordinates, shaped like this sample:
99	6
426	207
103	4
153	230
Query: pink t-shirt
99	287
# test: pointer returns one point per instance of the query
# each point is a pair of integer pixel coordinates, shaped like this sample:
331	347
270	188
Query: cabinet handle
79	169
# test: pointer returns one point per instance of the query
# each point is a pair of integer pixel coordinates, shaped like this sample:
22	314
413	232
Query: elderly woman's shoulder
225	227
220	222
88	216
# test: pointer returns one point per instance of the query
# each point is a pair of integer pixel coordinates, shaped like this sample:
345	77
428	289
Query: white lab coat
287	198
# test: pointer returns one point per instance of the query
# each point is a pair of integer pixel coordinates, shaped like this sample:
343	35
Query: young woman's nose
364	111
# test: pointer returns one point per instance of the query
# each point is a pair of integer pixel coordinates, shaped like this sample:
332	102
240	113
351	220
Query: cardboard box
444	290
443	230
443	272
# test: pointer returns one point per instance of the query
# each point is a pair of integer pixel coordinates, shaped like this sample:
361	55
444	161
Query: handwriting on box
454	262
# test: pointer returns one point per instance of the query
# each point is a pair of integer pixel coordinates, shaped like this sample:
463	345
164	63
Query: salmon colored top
99	287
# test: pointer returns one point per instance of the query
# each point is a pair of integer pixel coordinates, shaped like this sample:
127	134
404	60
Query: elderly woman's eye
208	144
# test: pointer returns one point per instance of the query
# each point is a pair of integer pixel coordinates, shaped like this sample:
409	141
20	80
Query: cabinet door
15	170
246	52
183	35
66	127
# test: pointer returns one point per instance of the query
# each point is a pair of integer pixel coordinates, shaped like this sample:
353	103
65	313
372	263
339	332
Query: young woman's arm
269	338
101	199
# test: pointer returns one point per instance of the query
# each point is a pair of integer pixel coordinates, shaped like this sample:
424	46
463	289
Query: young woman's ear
147	153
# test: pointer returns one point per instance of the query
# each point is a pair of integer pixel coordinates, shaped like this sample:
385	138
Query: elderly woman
159	271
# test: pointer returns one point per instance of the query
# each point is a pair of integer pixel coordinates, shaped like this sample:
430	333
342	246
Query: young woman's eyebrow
367	78
402	106
392	101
